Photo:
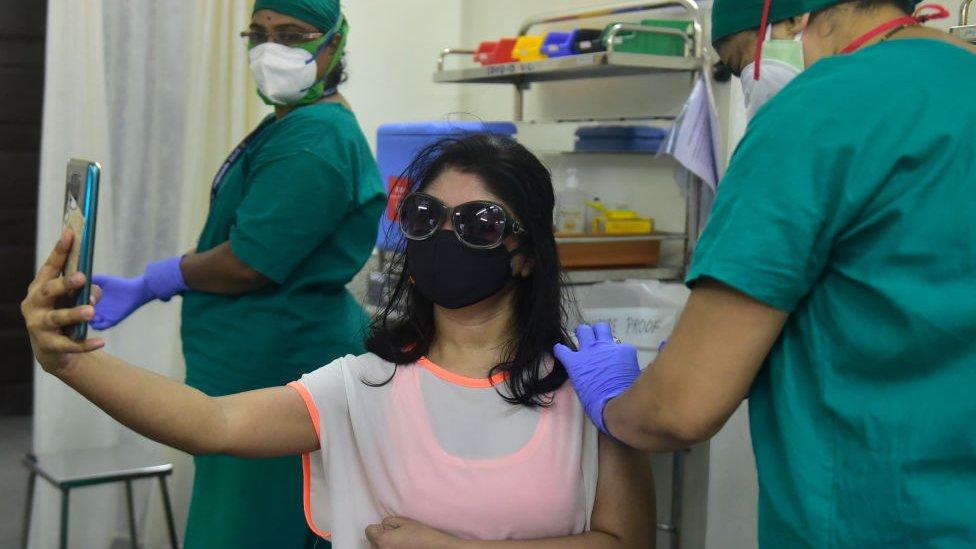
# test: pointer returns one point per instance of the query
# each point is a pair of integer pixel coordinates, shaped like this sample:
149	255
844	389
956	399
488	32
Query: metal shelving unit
572	67
662	236
610	63
965	30
593	276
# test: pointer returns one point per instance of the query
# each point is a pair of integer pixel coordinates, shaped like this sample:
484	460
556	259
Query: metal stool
93	467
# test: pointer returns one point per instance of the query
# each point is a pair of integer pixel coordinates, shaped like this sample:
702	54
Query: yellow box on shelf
631	226
529	48
619	222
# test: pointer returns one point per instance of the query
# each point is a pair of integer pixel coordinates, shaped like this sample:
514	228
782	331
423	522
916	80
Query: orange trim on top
457	379
313	412
307	497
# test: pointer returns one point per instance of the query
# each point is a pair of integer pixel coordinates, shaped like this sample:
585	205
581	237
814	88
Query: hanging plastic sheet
694	141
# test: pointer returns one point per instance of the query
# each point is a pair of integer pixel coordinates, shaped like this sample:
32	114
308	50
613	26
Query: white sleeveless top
444	450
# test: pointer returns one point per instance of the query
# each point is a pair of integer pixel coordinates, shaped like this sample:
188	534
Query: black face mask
453	275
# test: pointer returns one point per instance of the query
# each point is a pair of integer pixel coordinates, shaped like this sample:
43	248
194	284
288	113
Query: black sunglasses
479	224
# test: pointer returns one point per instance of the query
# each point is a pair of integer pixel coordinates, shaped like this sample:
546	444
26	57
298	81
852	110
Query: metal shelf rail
572	67
965	30
610	63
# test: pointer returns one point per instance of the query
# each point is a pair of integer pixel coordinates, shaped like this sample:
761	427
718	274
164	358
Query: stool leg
25	533
65	492
169	512
133	539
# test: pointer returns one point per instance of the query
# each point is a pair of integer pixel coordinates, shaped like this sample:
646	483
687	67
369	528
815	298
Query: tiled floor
15	441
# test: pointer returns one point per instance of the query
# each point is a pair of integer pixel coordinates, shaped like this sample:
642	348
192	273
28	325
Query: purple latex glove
122	296
601	370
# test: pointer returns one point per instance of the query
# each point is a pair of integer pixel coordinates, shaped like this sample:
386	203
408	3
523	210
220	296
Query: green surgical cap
323	14
732	16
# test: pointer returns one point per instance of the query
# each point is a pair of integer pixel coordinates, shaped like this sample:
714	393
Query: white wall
393	51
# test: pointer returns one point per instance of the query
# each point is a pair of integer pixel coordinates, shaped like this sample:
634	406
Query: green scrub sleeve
294	202
775	215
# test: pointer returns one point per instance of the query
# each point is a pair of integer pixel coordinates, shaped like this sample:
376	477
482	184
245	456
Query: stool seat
67	471
97	466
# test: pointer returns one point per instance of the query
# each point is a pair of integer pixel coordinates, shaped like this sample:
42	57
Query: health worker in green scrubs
834	286
293	217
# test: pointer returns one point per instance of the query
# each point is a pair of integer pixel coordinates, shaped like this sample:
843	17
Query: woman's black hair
403	332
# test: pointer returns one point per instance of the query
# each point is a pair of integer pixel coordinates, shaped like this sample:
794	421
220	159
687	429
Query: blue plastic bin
398	144
558	44
646	139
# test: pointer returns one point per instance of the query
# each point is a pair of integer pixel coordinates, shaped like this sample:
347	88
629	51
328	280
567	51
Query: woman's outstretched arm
267	422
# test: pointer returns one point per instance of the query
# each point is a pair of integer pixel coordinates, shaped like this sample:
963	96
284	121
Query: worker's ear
798	24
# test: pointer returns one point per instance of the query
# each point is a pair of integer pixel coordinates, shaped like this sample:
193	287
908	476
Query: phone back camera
74	186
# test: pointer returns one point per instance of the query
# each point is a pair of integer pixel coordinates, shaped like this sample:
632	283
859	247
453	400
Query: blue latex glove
600	370
122	296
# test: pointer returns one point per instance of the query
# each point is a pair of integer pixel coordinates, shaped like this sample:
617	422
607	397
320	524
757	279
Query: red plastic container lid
502	52
484	51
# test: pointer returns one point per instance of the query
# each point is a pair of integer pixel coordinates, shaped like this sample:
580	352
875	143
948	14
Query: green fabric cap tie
732	16
324	14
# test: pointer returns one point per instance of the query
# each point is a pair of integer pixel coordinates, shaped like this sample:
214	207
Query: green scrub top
851	204
301	206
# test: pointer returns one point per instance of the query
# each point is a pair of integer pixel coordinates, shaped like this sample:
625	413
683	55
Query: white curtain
75	124
157	92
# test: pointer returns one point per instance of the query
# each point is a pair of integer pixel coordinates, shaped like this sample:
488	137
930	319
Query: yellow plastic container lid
529	48
619	221
613	214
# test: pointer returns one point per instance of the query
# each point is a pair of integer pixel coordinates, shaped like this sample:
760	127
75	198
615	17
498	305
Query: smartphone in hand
80	212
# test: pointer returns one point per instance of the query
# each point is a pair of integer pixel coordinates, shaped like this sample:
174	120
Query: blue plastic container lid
619	145
560	37
446	128
558	44
621	132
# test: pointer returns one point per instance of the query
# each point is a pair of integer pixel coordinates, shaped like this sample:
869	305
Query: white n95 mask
283	74
781	62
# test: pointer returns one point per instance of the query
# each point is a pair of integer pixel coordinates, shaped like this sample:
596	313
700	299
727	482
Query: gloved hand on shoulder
600	370
122	296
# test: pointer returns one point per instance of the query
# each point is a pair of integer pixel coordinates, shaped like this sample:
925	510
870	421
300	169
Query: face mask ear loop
340	49
763	24
322	47
325	44
326	41
799	35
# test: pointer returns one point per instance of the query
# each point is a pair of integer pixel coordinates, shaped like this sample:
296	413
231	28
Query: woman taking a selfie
458	429
293	217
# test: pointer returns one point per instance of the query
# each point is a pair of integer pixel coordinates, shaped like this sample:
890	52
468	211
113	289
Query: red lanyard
917	19
764	22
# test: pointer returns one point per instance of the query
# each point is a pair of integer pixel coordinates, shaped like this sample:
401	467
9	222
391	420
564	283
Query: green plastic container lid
651	43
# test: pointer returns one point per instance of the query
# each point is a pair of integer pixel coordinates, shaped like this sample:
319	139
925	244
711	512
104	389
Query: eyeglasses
286	38
479	224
